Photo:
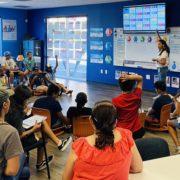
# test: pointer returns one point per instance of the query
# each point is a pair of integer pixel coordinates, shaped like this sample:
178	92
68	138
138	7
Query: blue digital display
144	18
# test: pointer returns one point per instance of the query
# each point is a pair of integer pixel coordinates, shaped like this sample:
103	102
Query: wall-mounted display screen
144	18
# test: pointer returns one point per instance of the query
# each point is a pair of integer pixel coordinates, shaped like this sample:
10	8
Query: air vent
22	7
22	0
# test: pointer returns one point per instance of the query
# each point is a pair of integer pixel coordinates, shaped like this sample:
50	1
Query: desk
167	168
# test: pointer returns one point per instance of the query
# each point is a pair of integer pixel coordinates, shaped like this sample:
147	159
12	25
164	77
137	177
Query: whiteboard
140	49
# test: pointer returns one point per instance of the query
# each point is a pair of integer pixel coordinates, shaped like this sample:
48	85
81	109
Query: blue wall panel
19	16
105	16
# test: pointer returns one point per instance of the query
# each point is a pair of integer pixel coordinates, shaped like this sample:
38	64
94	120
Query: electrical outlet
101	71
105	71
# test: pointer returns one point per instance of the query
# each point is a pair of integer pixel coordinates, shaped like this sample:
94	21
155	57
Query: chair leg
46	157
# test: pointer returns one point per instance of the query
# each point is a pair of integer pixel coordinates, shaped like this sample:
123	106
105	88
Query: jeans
23	173
162	73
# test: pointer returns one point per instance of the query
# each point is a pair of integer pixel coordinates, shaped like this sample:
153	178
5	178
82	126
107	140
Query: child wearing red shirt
128	103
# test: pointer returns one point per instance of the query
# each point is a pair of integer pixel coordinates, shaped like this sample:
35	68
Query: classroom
82	79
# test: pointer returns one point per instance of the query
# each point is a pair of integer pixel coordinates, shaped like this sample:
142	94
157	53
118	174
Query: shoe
65	143
42	165
178	150
69	92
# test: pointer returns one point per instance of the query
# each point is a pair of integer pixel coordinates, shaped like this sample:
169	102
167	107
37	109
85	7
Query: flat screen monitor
146	18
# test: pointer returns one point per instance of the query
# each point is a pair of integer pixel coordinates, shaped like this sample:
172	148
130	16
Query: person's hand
36	127
124	77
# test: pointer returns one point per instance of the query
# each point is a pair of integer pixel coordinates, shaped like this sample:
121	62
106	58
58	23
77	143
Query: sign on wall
9	30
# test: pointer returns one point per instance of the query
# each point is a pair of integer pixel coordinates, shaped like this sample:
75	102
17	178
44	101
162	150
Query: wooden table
167	168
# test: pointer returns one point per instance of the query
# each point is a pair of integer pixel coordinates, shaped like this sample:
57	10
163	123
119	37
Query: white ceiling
38	4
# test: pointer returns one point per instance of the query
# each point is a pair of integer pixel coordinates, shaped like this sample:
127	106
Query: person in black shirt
162	99
79	109
52	105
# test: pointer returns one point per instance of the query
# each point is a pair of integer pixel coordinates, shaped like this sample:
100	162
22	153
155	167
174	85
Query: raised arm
56	57
135	77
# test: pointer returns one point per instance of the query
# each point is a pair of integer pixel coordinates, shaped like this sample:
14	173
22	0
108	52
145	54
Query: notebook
30	122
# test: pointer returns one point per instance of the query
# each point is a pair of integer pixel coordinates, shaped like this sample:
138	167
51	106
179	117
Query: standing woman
162	60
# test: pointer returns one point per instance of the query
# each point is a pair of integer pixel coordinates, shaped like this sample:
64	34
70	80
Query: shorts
175	123
28	141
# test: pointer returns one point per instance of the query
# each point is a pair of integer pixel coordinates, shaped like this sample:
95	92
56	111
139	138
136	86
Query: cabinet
36	47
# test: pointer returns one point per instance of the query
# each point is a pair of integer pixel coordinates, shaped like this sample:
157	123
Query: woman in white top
162	60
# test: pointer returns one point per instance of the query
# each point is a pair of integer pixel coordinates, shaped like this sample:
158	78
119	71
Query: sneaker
42	165
65	143
178	150
69	92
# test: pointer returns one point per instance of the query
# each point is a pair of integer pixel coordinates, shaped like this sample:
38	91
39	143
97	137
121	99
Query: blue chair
152	148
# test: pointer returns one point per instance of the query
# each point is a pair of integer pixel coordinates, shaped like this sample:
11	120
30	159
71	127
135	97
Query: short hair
52	89
126	85
28	53
161	85
81	99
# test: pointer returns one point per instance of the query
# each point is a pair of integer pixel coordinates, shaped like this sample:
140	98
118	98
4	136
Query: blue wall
19	16
106	16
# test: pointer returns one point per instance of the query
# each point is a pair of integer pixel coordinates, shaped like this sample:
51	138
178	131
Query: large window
67	38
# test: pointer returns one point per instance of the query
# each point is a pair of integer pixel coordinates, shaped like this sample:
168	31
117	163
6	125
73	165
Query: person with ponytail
109	153
162	60
79	109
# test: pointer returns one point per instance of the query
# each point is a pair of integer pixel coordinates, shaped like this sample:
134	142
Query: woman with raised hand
110	153
162	60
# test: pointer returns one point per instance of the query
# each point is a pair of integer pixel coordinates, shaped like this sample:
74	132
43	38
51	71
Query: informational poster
9	30
96	45
119	46
175	82
96	58
117	74
96	32
174	44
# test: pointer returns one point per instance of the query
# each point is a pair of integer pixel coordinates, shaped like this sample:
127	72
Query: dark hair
161	85
81	100
52	89
166	47
28	53
126	85
3	98
104	118
49	69
21	94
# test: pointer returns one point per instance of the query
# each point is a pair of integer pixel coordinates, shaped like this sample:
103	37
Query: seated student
50	78
16	116
153	114
174	122
128	103
29	63
51	103
37	82
79	109
110	153
4	83
9	65
11	152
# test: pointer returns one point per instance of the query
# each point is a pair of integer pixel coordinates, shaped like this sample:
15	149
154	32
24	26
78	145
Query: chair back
142	117
42	112
82	126
165	114
152	148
